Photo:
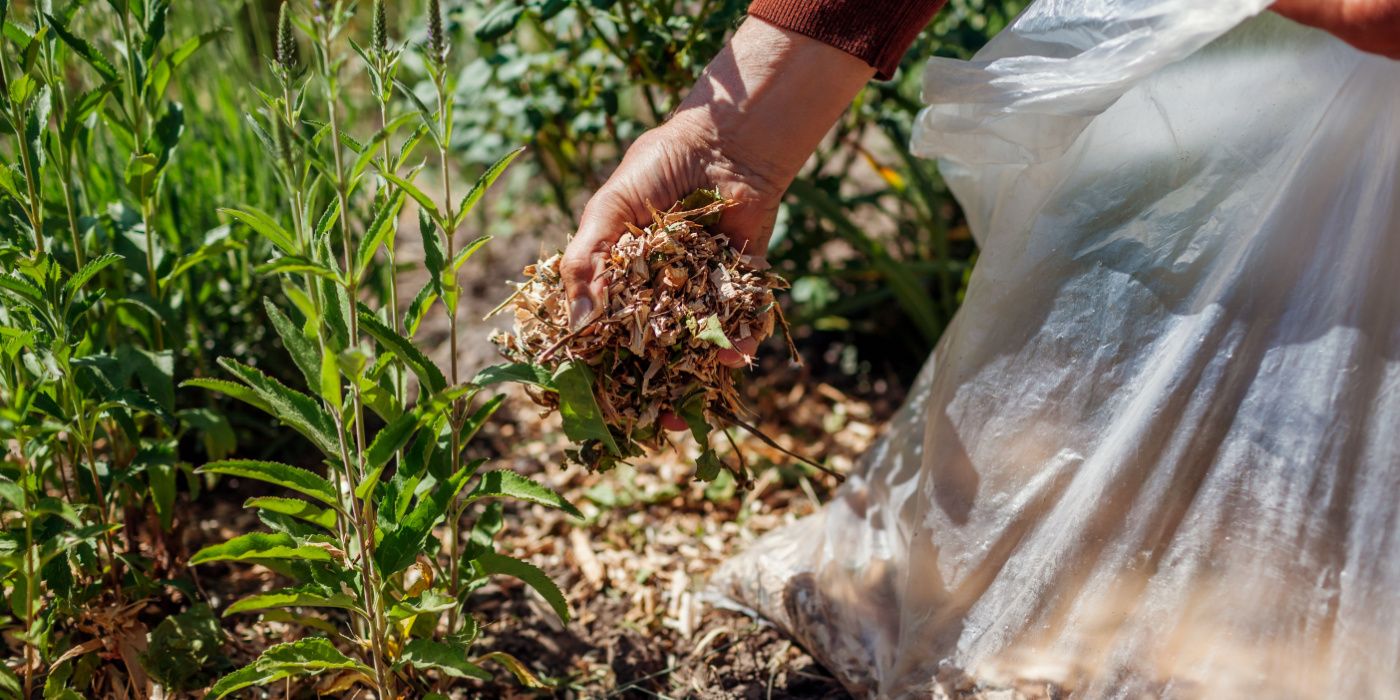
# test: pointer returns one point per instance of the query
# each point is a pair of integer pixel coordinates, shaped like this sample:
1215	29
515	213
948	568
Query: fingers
602	223
739	356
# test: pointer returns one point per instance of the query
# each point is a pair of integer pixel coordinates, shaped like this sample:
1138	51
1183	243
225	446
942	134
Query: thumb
600	226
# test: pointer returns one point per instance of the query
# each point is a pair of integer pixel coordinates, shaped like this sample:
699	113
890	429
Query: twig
774	444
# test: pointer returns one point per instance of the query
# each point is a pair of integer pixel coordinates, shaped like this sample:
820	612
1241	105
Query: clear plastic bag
1158	452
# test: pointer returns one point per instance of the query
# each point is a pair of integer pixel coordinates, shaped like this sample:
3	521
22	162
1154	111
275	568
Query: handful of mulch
675	295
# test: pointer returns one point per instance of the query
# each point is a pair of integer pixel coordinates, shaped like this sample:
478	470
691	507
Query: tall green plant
359	539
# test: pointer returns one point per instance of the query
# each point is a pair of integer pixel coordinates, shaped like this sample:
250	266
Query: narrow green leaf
296	508
418	195
309	596
390	439
492	563
434	260
247	677
159	77
519	372
302	657
90	270
418	309
330	380
285	475
260	545
380	231
503	483
265	225
304	351
583	420
297	265
230	389
84	50
467	251
428	374
488	178
294	408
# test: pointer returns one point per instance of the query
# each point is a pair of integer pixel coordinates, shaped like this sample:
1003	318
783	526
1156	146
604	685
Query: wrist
770	97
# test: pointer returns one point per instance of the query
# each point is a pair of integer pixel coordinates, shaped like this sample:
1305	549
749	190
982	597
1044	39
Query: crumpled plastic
1157	454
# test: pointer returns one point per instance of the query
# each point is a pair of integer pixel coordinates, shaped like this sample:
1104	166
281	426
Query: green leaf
265	225
422	303
159	77
35	127
483	183
707	466
499	21
247	677
260	545
401	547
583	420
214	430
434	260
418	195
304	656
503	483
390	439
330	380
294	408
308	596
90	270
479	417
711	332
304	351
297	265
296	508
84	50
166	134
380	231
447	657
155	28
467	251
428	374
285	475
492	563
230	389
184	650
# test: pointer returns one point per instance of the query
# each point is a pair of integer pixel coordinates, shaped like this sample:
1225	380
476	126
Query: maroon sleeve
875	31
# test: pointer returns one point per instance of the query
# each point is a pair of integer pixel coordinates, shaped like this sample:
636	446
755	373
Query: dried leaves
675	296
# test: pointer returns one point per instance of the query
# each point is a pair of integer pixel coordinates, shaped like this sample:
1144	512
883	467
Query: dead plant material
675	295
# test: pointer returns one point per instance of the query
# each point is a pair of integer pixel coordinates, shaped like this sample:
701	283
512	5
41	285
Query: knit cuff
875	31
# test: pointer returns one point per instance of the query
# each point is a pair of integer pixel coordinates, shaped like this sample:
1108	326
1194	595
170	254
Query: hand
662	167
749	124
1369	25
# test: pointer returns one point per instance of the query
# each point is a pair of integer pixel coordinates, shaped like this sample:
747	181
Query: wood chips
676	295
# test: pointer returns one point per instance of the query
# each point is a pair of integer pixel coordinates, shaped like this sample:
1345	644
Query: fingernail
580	312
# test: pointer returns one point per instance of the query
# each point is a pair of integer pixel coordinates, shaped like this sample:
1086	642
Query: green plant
361	539
117	277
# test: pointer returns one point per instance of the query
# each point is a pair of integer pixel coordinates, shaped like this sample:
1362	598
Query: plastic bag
1158	452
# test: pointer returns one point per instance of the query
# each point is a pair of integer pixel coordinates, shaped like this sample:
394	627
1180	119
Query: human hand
664	166
1369	25
751	121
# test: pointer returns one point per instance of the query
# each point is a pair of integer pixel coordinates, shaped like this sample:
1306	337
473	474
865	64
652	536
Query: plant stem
448	216
364	511
30	571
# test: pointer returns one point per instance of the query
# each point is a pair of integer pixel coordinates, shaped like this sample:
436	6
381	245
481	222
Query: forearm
771	95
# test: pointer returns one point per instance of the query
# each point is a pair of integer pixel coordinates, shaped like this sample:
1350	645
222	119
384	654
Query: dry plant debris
675	295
